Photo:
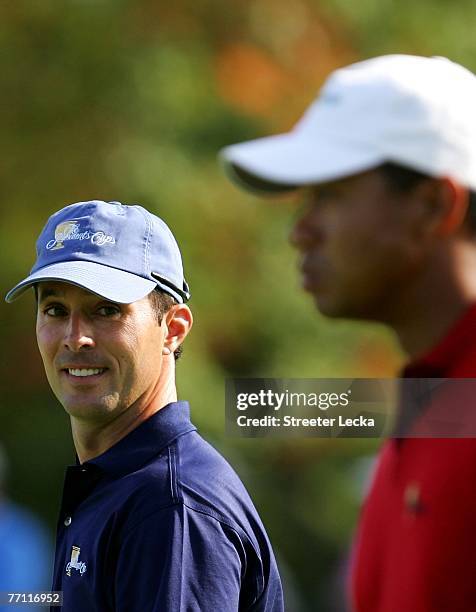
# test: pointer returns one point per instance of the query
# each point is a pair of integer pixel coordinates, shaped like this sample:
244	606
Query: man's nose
78	334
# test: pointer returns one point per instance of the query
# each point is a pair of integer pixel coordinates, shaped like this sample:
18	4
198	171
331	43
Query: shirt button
67	521
413	498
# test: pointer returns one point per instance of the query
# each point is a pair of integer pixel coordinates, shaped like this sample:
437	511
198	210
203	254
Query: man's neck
418	336
432	306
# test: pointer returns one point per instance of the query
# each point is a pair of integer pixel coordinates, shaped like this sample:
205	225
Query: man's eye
109	311
326	193
320	198
54	310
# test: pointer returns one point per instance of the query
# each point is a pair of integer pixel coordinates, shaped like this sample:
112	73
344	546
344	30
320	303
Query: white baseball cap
419	112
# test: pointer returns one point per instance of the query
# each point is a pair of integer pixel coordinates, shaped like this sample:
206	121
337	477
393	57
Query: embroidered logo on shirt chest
75	563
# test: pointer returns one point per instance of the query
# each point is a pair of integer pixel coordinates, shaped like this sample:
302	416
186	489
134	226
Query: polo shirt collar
453	348
146	441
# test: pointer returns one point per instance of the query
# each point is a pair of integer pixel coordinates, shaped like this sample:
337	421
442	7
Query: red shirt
415	549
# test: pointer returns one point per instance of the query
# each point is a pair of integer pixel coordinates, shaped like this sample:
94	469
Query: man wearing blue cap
152	517
386	161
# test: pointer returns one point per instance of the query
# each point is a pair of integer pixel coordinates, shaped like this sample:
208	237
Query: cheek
47	341
139	358
350	244
372	236
362	256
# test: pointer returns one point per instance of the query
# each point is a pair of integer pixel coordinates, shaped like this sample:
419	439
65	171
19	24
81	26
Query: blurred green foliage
131	100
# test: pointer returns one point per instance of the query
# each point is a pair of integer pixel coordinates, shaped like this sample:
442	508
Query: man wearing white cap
152	517
386	159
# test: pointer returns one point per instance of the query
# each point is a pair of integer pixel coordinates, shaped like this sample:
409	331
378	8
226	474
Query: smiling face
101	358
358	244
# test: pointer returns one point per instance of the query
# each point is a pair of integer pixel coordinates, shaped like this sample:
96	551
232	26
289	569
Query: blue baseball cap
119	252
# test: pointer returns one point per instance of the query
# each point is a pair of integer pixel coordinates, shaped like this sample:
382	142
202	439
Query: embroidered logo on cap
75	563
71	230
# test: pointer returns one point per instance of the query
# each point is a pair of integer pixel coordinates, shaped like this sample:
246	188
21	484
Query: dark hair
402	179
161	303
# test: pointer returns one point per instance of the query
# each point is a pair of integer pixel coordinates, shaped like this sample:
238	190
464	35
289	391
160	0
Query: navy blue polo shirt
160	522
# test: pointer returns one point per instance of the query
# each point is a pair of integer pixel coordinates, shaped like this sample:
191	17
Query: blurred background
131	100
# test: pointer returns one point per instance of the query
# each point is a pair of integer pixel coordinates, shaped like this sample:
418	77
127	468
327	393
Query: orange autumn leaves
262	83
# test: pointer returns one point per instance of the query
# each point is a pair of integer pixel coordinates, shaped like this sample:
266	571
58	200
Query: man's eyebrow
44	294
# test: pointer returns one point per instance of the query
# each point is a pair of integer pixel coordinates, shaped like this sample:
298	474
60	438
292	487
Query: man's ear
178	321
445	205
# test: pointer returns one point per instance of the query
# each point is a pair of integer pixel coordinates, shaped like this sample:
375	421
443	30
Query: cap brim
288	161
110	283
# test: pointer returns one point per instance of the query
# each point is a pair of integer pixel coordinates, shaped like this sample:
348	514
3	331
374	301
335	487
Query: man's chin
335	309
327	306
96	410
339	310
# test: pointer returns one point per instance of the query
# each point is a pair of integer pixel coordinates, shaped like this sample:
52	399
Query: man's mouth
307	270
83	372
